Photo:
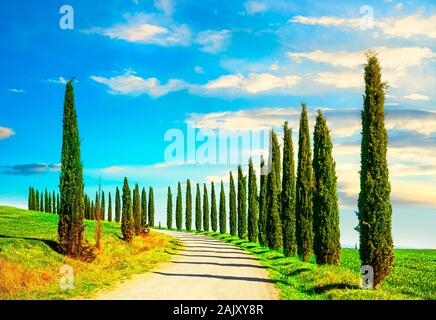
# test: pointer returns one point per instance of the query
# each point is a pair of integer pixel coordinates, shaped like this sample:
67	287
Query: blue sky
142	68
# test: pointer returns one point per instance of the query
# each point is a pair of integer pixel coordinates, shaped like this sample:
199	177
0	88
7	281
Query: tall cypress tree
47	202
103	206
86	206
374	204
263	203
222	217
253	204
144	208
127	226
29	200
288	195
109	208
179	217
242	204
151	208
304	190
213	210
91	217
58	203
326	243
117	206
273	222
232	207
188	217
198	211
97	206
53	202
137	210
71	225
205	209
169	209
41	203
37	200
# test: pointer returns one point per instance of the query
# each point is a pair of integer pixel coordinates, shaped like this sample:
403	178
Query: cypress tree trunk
137	210
223	220
263	204
109	209
117	206
143	209
288	195
169	209
304	201
127	226
213	210
71	225
205	209
242	204
188	217
273	223
103	206
232	206
151	208
179	218
374	205
253	206
198	212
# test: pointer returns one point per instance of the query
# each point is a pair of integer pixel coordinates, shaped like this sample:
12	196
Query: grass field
30	267
413	276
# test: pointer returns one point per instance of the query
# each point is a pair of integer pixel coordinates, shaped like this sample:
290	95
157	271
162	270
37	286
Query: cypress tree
117	206
263	204
198	212
253	205
213	209
222	217
242	204
151	208
137	210
91	217
29	199
47	203
97	207
53	202
41	203
232	206
288	195
188	217
71	225
326	244
374	204
127	226
109	208
169	209
304	191
50	206
144	208
103	206
273	222
58	203
179	217
36	200
205	209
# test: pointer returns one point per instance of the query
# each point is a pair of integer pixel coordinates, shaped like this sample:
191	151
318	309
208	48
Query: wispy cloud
166	6
417	97
15	90
29	169
60	80
254	7
6	133
212	41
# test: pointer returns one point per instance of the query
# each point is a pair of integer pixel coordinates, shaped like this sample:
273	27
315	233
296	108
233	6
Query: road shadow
240	265
253	279
213	251
208	256
50	243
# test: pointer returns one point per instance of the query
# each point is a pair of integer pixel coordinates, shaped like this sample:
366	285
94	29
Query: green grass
413	275
30	266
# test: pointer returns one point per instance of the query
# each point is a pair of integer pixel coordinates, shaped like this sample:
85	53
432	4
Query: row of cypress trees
43	201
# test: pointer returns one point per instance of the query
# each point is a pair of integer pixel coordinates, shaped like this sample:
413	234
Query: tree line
47	201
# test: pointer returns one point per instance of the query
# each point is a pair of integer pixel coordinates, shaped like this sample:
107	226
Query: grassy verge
413	276
30	268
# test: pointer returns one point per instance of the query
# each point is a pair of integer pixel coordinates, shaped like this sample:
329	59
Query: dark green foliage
103	206
263	204
47	203
137	210
288	195
109	208
253	204
205	209
92	211
374	205
127	225
242	204
213	210
179	214
53	202
222	214
97	206
117	206
144	209
232	206
198	212
304	190
30	199
71	225
41	202
36	208
273	222
188	216
58	203
151	208
169	209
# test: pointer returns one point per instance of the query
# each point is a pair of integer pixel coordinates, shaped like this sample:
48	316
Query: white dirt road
204	269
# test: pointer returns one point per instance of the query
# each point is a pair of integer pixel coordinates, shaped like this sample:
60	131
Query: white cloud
404	27
254	7
6	133
130	84
213	41
416	97
15	90
198	69
399	6
341	79
60	80
253	84
166	6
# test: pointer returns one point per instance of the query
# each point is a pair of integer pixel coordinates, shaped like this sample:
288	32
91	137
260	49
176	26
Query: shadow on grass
50	243
332	286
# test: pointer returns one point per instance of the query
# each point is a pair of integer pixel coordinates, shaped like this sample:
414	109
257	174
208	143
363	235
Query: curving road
204	269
